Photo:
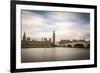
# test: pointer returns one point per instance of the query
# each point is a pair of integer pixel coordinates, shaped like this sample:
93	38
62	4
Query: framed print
52	36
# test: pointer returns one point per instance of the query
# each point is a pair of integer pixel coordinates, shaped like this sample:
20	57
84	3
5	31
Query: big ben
53	37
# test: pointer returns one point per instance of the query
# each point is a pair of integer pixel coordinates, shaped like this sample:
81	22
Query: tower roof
24	34
53	31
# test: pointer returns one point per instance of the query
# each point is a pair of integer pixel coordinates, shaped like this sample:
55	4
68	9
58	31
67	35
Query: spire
24	36
53	37
53	31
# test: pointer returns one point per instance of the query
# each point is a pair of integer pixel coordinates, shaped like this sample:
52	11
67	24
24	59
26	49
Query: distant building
26	42
53	38
64	41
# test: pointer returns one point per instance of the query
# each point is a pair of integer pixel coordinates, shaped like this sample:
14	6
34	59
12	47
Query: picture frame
43	9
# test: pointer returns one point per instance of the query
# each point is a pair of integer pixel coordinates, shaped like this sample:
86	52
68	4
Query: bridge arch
88	45
68	45
78	45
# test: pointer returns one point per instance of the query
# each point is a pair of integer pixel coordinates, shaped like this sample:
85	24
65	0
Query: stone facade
27	43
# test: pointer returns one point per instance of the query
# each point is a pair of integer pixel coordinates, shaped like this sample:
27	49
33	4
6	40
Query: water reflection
54	54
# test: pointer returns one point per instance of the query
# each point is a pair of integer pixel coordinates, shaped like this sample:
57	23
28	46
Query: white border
20	65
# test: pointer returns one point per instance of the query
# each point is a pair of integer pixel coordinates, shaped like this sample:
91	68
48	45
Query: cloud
69	30
35	25
32	23
63	16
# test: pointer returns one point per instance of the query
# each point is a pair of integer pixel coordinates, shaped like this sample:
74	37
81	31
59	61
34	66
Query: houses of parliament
26	42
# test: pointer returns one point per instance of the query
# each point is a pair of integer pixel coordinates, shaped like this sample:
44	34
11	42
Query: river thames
54	54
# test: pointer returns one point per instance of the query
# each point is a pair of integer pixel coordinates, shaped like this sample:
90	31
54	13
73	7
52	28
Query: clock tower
53	37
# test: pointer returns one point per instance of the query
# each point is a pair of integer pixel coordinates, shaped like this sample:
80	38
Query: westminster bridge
75	44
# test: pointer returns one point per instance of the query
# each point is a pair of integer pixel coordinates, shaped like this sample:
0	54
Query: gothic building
53	38
26	42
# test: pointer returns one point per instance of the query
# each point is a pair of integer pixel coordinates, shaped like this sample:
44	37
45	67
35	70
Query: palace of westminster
26	42
45	43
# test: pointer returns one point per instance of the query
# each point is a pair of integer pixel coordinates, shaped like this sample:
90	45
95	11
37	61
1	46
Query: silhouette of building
64	42
24	36
53	38
26	42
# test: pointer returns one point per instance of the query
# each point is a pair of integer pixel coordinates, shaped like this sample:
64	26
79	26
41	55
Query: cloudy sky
67	25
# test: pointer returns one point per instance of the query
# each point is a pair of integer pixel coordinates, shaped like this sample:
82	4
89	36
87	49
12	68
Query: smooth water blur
54	54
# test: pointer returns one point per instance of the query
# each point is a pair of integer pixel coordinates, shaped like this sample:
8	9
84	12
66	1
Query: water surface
54	54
